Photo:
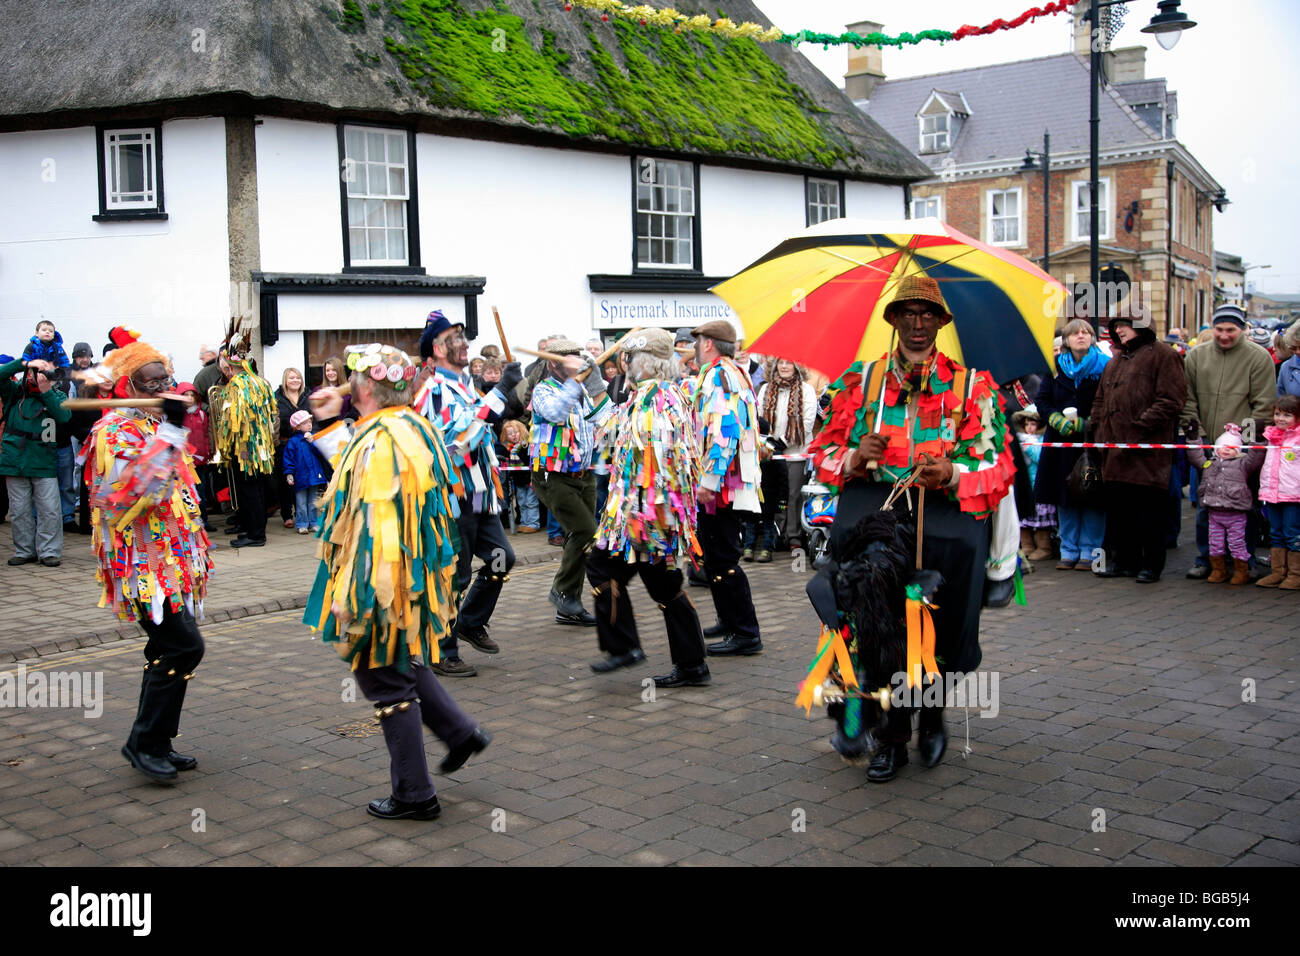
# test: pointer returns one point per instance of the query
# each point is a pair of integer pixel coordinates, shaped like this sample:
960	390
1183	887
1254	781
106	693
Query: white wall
873	201
167	279
298	216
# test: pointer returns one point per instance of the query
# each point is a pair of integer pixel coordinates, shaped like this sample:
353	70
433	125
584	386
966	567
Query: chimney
866	67
1127	65
1082	33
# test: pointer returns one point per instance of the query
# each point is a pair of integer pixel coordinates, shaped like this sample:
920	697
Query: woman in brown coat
1140	397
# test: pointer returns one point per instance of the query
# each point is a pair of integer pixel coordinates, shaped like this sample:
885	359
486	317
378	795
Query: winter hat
1231	436
920	288
298	417
1230	313
82	348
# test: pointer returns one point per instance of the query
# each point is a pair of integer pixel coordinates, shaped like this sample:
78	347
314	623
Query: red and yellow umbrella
819	297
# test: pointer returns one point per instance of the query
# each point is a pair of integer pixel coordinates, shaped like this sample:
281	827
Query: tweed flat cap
720	330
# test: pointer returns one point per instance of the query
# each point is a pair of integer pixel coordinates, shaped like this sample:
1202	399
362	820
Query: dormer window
940	120
934	133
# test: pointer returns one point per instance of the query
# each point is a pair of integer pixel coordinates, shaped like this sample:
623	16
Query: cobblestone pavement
1119	705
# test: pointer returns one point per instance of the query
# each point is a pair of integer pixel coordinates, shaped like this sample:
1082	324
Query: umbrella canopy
819	297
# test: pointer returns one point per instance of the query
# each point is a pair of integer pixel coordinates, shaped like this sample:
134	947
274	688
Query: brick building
973	128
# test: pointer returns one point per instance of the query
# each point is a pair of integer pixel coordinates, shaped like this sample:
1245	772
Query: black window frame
807	205
156	214
413	263
697	253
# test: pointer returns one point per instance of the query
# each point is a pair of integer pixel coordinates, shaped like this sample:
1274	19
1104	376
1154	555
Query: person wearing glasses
150	546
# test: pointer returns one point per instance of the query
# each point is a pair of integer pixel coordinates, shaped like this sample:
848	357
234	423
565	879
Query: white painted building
326	209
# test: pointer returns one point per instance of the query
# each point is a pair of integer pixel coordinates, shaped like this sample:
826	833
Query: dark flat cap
720	330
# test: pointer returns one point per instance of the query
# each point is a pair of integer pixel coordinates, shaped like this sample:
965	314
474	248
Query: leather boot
1026	540
1240	572
1277	569
1292	580
1042	545
1218	570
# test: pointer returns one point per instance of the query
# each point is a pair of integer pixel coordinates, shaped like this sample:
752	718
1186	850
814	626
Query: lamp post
1167	26
1029	164
1245	283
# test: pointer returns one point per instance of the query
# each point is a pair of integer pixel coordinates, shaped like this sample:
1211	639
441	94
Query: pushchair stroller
816	518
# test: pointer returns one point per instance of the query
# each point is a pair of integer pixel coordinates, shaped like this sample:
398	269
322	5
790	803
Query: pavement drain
365	727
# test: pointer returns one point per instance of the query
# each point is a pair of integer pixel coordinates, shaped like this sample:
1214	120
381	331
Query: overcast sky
1234	74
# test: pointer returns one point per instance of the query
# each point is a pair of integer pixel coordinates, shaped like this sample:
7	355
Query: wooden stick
86	404
501	331
549	356
605	356
345	389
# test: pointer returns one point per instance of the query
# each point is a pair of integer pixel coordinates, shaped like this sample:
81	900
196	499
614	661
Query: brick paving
1118	703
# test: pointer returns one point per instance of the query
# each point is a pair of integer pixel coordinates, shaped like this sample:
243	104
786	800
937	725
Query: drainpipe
1169	245
907	201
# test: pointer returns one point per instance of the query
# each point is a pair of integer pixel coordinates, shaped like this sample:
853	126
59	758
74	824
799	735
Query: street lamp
1167	25
1046	157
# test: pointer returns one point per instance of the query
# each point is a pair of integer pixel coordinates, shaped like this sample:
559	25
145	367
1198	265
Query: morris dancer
918	407
566	414
449	400
384	590
247	421
150	546
726	426
648	525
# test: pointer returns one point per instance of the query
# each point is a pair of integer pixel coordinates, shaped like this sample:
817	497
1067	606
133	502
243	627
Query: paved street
1119	706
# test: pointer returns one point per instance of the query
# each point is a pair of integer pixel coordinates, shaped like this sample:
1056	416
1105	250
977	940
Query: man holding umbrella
917	407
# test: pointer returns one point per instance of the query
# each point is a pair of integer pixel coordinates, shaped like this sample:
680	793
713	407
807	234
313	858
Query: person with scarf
150	546
1079	366
726	436
385	588
916	408
464	419
648	525
789	405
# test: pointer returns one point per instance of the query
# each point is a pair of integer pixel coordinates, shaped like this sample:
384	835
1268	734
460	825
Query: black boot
884	765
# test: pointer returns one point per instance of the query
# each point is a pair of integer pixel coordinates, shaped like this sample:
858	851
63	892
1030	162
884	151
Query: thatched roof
511	69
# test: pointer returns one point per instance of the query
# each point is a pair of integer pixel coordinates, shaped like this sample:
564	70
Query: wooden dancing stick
87	404
316	397
605	356
549	356
501	331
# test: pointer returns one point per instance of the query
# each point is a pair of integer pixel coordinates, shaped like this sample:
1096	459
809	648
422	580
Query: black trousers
616	630
481	536
1136	523
954	544
173	650
250	495
429	704
720	535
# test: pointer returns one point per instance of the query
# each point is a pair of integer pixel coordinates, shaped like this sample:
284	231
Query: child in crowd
1036	529
1225	492
305	472
513	450
200	445
760	529
1279	489
47	344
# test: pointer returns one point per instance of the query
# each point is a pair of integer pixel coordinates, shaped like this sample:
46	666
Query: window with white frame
934	133
927	207
377	172
665	214
823	200
1082	217
1004	212
131	176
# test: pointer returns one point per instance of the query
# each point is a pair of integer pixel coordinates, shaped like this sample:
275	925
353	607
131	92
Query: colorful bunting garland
668	17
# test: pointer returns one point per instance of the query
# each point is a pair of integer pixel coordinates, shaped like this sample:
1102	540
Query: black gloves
511	375
174	411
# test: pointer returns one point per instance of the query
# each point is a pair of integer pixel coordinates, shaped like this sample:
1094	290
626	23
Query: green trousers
572	499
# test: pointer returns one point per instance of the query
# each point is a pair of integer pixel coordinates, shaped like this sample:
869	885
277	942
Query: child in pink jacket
1279	489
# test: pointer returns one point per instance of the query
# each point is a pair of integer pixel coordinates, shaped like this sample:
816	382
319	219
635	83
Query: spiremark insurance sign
623	310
